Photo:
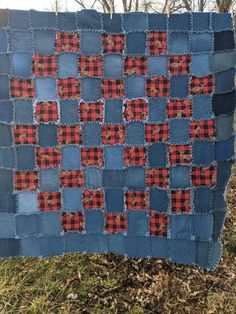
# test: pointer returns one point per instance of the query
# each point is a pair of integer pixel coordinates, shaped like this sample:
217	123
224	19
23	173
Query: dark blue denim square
179	43
202	227
219	199
182	251
135	43
6	135
6	111
67	21
200	21
92	177
180	227
116	243
74	242
221	21
138	222
224	149
44	41
69	111
179	22
27	225
23	111
19	19
180	177
43	19
202	42
179	131
72	199
159	200
47	135
157	109
94	221
7	226
51	246
223	173
157	65
202	107
21	41
25	157
114	157
114	178
135	21
138	246
179	86
90	42
114	199
112	25
21	64
4	64
135	133
219	220
70	157
136	177
51	223
203	152
200	65
96	243
7	158
27	202
157	155
160	247
113	111
229	101
89	19
67	65
225	81
92	134
224	40
10	247
49	180
3	40
113	65
157	22
91	88
45	88
6	181
203	200
4	87
134	86
7	203
224	127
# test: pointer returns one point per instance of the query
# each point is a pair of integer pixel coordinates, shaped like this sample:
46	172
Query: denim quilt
116	134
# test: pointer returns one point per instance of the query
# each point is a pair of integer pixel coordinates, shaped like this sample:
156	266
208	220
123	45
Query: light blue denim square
7	158
70	157
89	19
6	111
116	243
200	65
91	88
21	41
180	177
221	21
179	22
136	177
179	43
74	242
203	200
23	111
27	202
138	222
67	65
203	152
200	21
67	21
90	42
7	226
113	111
3	41
113	65
157	65
69	111
96	243
4	64
223	60
138	246
223	173
157	155
49	180
45	88
72	199
134	86
92	178
7	203
157	21
157	109
92	134
135	21
114	200
50	246
182	251
94	221
19	19
159	200
47	135
135	133
112	25
224	127
179	131
6	135
202	227
225	81
135	43
224	149
27	225
114	157
179	86
202	107
4	87
202	42
21	64
25	157
51	223
180	227
30	246
44	41
43	19
114	178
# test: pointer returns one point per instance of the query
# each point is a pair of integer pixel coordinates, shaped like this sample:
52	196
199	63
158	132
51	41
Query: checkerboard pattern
115	135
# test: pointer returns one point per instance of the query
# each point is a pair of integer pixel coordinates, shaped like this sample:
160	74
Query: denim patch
92	134
200	21
44	41
138	222
135	86
179	22
200	65
50	246
202	227
135	21
3	40
203	152
116	243
112	25
25	157
113	65
219	220
6	111
225	81
224	127
224	149
27	202
90	42
159	200
202	107
92	178
179	131
7	158
4	64
19	19
27	225
51	224
114	199
114	157
157	65
201	42
72	199
157	155
113	111
70	157
221	21
221	61
183	252
136	177
21	41
157	22
180	227
96	243
157	109
45	88
43	19
135	43
138	246
23	111
67	65
114	178
228	100
91	89
179	177
203	200
223	173
7	226
74	242
219	199
21	64
179	86
49	180
9	247
7	203
6	135
69	111
88	19
135	133
94	221
47	135
67	21
4	87
224	40
179	43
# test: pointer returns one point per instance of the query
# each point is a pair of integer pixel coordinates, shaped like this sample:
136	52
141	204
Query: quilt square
48	157
90	42
180	201
44	65
157	86
179	108
69	134
113	134
72	221
135	156
202	85
47	135
178	64
136	200
22	88
49	201
158	224
136	43
46	111
116	223
71	178
156	132
135	65
113	42
135	109
112	65
90	65
26	180
157	43
91	111
68	87
113	88
25	134
92	156
203	129
204	176
93	199
157	177
67	42
179	154
6	135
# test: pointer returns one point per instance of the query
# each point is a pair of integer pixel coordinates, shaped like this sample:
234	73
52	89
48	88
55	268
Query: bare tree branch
187	5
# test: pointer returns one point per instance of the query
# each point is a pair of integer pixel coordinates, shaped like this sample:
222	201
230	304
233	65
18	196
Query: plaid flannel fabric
113	134
135	109
44	65
180	201
92	156
115	223
22	88
113	88
135	65
68	87
71	178
91	111
157	177
46	111
113	42
157	86
158	224
203	129
179	108
49	201
72	221
25	134
204	176
156	132
179	64
136	200
93	199
67	42
69	134
157	43
135	156
90	65
179	154
48	157
202	85
26	180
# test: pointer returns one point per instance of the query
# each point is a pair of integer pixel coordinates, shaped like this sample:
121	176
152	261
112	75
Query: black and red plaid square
179	64
179	108
26	180
113	88
71	178
67	42
90	65
25	134
68	87
157	132
158	224
72	221
205	176
48	157
113	134
93	199
92	156
136	200
44	65
46	111
135	109
180	201
113	42
202	85
49	201
135	156
157	43
91	111
116	222
157	86
180	154
69	134
135	65
203	129
22	88
157	177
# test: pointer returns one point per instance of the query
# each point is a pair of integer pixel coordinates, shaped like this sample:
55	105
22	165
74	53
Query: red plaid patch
92	156
67	42
93	199
179	154
157	177
180	201
72	221
92	111
135	65
71	178
113	88
46	111
116	223
69	134
157	43
49	201
157	86
22	88
135	109
25	134
204	176
113	42
179	108
136	200
26	180
203	129
156	132
158	224
90	65
68	87
202	85
48	157
113	134
135	156
179	64
44	65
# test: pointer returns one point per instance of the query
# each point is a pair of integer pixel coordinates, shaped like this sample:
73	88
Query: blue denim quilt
116	135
